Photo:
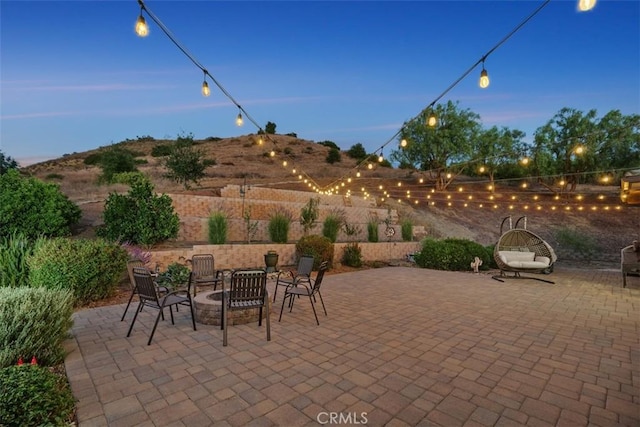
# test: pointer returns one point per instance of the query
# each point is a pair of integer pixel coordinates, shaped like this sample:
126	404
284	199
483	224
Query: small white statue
477	262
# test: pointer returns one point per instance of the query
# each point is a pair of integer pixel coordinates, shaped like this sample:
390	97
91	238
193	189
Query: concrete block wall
194	212
233	256
260	193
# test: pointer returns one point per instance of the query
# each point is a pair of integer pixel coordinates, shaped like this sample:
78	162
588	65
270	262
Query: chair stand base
516	275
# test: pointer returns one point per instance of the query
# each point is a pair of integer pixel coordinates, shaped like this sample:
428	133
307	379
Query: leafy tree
270	128
618	141
6	163
34	207
186	165
330	144
116	160
333	156
438	150
357	152
496	148
139	217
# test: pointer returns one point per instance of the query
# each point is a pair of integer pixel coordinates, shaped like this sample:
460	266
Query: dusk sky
75	76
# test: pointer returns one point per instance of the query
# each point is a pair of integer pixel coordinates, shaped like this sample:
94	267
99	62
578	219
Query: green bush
116	160
34	322
309	214
352	255
139	217
161	150
357	152
186	164
52	176
218	227
372	231
581	243
406	229
34	207
91	269
319	247
14	251
333	156
451	254
332	225
278	226
176	275
34	396
93	159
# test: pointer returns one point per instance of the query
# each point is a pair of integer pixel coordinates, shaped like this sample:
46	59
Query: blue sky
74	75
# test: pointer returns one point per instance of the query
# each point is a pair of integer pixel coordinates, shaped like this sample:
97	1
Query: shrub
34	396
116	160
332	225
406	229
581	243
218	227
330	144
352	255
93	159
161	150
7	163
176	274
34	207
357	152
91	269
139	217
14	251
319	247
278	226
309	214
185	164
34	322
451	254
372	231
53	176
333	156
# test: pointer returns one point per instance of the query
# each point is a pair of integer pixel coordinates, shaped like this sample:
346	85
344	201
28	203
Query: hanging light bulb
142	29
358	174
272	153
484	78
585	5
403	143
239	120
205	86
432	120
370	166
381	157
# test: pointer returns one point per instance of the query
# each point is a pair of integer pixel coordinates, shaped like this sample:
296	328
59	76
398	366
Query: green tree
357	152
6	163
496	148
333	156
185	163
329	144
617	142
439	149
139	217
114	160
34	207
270	128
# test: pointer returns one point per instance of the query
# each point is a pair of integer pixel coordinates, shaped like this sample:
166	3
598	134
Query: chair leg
127	307
322	301
313	306
155	325
282	308
193	315
266	302
135	316
224	325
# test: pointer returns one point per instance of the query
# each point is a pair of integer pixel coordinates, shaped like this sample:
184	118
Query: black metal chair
134	291
148	293
204	272
300	289
302	274
247	289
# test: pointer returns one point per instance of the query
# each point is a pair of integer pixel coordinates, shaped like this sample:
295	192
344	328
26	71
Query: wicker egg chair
521	251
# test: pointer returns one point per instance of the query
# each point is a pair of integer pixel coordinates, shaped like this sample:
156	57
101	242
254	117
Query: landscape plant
406	229
14	251
333	156
250	227
186	164
332	224
90	268
34	208
309	214
174	276
372	231
575	241
139	217
278	227
6	163
218	228
352	255
451	254
34	322
113	160
32	395
319	247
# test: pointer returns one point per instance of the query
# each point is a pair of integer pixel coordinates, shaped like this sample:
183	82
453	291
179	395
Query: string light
403	143
484	77
432	120
239	120
205	86
142	29
586	5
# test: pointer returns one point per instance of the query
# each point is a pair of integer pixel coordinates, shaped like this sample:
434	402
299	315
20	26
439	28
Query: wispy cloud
42	87
37	115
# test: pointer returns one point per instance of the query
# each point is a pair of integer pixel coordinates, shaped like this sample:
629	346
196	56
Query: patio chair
204	272
629	263
520	251
130	265
310	291
148	294
302	274
247	289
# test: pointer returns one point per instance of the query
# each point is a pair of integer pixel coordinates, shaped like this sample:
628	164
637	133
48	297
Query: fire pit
208	308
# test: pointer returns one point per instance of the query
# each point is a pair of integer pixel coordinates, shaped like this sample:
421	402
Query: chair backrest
305	265
324	266
248	288
202	265
130	265
145	286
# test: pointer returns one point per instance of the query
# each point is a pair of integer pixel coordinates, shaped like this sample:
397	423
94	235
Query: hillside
590	235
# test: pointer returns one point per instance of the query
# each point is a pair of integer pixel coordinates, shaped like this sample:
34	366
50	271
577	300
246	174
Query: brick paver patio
400	347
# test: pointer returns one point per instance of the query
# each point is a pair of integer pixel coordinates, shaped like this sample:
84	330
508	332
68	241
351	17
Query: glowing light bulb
284	163
585	5
403	143
142	29
272	153
484	79
239	120
524	161
432	121
370	166
358	174
205	89
380	158
482	169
